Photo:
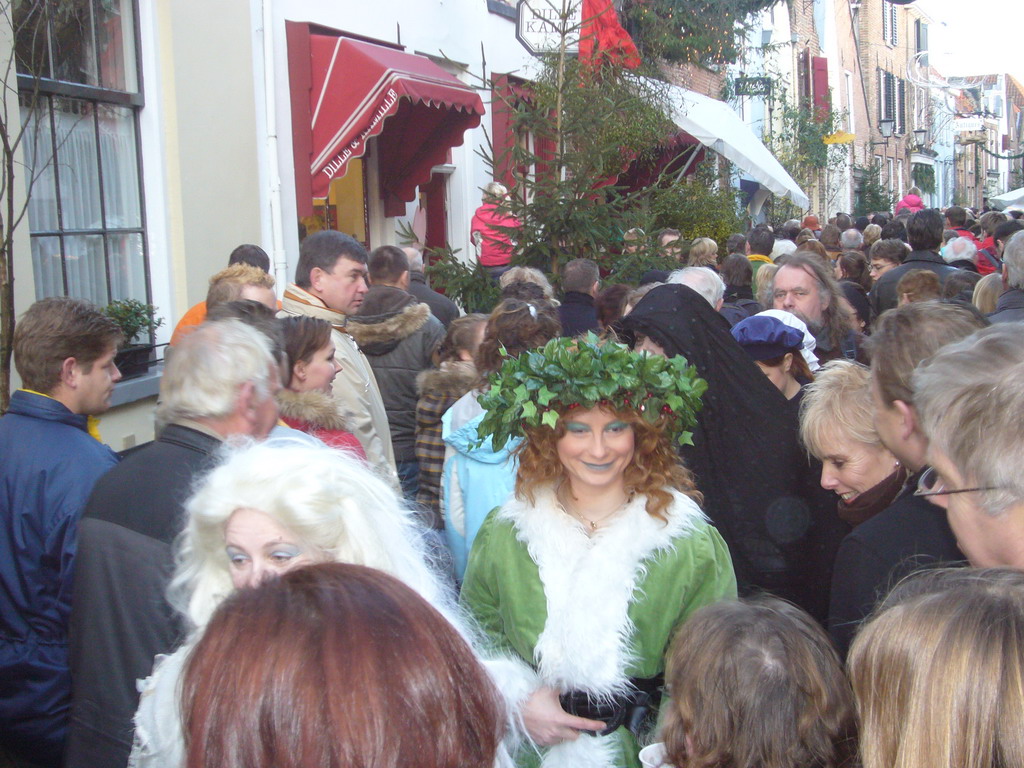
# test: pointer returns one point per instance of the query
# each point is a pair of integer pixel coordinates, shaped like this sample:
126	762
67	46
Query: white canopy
1007	199
717	127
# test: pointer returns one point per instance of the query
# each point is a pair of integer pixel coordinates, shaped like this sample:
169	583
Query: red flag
602	34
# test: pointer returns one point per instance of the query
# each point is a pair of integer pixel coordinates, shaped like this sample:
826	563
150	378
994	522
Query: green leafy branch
535	388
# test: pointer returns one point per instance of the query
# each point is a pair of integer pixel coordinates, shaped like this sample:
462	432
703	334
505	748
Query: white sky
976	37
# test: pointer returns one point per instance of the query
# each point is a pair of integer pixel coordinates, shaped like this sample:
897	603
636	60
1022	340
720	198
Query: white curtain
83	205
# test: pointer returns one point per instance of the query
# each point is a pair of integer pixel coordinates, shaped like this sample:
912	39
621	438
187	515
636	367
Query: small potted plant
134	318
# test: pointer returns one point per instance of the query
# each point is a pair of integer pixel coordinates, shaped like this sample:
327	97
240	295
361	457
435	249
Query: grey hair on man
415	256
704	281
852	240
970	398
960	249
580	276
203	378
1013	261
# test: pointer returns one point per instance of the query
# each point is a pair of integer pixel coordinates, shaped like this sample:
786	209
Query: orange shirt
189	320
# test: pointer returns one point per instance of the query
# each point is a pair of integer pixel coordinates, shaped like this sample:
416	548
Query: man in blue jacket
50	458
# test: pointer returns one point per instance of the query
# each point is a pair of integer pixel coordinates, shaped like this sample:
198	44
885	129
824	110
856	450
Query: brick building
889	35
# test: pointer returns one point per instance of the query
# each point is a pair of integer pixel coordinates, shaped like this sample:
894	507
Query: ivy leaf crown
533	389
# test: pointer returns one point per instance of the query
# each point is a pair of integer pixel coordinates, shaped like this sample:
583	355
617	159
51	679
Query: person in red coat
491	229
911	202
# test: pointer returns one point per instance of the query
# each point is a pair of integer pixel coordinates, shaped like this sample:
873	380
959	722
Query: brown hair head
990	220
830	237
804	236
610	303
904	336
736	271
303	337
892	250
461	337
919	285
387	264
815	247
250	254
331	666
854	266
798	367
322	249
54	329
516	326
756	684
655	465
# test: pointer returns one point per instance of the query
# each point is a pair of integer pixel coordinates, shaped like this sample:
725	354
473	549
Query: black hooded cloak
746	455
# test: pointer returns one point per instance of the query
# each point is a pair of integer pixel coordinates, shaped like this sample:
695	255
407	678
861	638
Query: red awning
359	90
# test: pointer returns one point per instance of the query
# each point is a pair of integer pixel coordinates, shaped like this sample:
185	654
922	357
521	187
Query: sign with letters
541	24
968	124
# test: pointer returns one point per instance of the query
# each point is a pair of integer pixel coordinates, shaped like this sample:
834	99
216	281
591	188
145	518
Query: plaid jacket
439	389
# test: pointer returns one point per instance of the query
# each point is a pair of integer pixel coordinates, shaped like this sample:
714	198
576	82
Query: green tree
872	195
924	177
701	32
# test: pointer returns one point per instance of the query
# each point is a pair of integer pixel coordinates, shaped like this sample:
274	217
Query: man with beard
805	288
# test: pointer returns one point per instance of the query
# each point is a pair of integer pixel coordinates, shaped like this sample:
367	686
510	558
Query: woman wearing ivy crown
601	552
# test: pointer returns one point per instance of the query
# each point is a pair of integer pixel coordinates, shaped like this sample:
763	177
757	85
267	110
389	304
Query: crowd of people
751	512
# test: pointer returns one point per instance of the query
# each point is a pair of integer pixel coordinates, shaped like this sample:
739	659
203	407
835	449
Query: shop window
79	94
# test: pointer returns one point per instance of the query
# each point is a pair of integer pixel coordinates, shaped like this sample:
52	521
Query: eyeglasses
929	484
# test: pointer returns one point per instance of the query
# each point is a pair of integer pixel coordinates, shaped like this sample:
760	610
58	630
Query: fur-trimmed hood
453	379
400	317
318	409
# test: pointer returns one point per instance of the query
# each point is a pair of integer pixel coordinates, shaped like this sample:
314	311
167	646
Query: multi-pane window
80	97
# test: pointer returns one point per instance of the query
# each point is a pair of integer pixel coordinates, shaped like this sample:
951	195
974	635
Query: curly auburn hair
654	468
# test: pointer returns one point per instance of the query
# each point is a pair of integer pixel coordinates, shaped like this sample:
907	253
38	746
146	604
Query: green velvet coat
589	613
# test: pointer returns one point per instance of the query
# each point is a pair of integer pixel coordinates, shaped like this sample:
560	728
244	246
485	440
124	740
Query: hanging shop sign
753	86
542	24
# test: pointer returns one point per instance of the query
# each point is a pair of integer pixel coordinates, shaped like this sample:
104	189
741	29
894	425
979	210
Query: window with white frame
80	95
890	27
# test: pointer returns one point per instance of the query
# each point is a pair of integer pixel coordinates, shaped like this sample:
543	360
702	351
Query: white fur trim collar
589	583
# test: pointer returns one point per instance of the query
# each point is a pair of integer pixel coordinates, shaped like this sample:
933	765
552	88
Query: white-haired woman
250	519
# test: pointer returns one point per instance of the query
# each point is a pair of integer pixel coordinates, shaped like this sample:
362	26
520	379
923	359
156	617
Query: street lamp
920	136
885	127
